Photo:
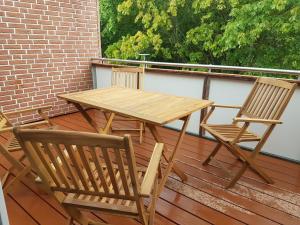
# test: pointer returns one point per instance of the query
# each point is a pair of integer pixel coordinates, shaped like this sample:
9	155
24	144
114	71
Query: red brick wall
45	50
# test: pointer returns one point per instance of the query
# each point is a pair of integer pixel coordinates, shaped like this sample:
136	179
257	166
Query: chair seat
227	132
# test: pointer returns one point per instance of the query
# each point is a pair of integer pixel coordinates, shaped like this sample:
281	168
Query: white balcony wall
284	141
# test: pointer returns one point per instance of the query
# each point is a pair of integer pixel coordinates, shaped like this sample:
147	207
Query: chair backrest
4	122
268	99
82	163
128	77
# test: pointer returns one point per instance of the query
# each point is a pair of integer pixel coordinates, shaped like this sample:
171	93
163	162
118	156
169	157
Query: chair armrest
26	125
27	110
212	109
227	106
253	120
152	169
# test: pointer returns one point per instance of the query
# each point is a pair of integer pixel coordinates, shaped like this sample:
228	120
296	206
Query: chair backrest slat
55	161
87	167
99	170
268	99
82	163
121	166
63	155
128	77
72	155
46	164
110	170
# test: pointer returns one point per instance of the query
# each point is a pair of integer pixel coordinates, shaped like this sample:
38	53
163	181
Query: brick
6	30
16	25
9	9
22	31
6	67
12	46
14	14
3	62
29	21
14	52
33	26
22	4
10	20
10	107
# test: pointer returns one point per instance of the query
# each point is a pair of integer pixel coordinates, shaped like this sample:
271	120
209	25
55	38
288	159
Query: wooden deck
201	200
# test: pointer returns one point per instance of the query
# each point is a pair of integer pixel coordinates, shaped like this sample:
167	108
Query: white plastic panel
180	85
103	77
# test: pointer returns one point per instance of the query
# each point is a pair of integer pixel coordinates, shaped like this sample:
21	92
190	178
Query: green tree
264	33
114	25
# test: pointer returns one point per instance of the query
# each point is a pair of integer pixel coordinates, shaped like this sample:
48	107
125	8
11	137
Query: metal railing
203	66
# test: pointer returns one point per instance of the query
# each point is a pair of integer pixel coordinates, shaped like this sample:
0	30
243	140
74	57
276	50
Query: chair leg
212	154
237	176
22	158
70	221
261	173
153	202
250	161
4	179
141	132
76	215
17	179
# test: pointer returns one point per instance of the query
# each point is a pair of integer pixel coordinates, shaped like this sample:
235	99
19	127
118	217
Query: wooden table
155	109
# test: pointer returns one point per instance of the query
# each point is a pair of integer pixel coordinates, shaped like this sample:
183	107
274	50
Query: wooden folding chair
17	168
264	105
12	145
93	172
129	77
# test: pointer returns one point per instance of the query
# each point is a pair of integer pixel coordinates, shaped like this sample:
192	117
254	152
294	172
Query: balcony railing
223	85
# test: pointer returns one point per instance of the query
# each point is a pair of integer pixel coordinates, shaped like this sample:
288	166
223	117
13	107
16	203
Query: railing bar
207	66
205	95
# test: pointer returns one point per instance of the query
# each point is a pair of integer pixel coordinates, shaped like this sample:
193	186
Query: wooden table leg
93	123
170	158
108	123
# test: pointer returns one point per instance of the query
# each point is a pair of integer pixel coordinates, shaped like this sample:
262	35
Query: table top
151	107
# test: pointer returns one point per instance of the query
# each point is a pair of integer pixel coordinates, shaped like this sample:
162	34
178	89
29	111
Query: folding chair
12	145
129	77
94	172
264	105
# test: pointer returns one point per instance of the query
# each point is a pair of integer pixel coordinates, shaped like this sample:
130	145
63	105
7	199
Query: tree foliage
264	33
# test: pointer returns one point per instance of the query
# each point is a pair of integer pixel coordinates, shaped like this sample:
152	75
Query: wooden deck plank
225	197
17	214
39	209
267	204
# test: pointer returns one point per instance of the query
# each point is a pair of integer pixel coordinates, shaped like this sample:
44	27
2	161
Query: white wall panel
103	77
180	85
